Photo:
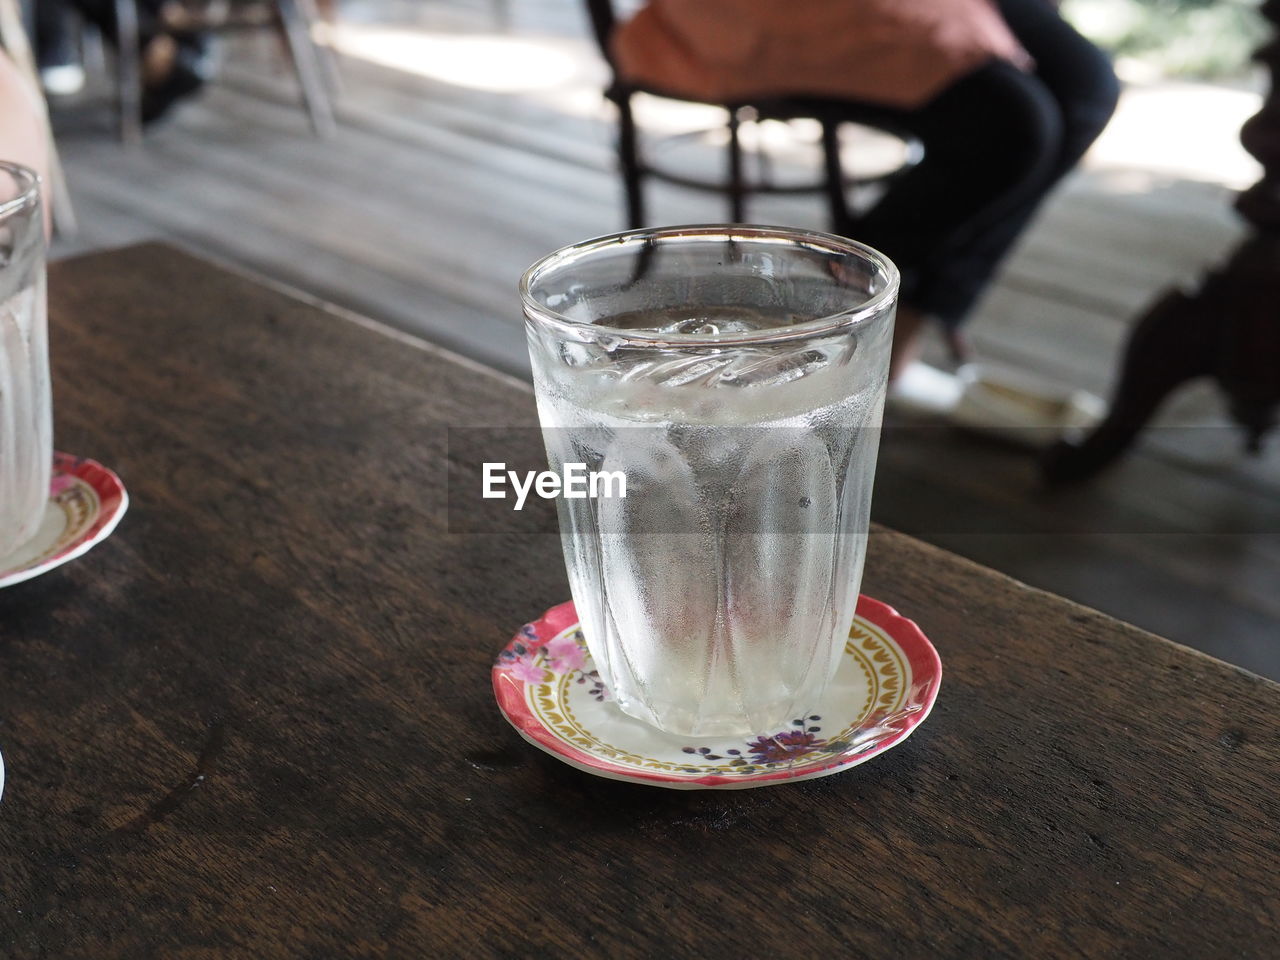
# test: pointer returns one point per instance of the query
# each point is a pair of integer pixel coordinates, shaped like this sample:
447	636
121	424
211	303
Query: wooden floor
449	176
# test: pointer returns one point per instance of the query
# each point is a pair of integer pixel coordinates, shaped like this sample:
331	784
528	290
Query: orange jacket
895	52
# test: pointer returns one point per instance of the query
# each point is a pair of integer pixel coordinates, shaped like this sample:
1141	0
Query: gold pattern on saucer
80	504
885	673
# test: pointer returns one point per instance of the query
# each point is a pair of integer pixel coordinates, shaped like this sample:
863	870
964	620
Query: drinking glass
26	426
736	377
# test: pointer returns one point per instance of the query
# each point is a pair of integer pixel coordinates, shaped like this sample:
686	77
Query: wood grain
256	722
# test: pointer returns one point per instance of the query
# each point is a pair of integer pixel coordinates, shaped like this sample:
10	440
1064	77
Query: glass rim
28	182
873	305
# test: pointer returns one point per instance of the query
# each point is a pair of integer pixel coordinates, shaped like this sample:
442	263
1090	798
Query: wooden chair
831	114
296	19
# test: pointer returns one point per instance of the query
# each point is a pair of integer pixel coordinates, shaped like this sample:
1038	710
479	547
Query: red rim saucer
548	689
86	501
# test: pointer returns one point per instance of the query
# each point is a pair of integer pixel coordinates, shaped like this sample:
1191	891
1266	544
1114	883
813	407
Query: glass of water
26	426
735	376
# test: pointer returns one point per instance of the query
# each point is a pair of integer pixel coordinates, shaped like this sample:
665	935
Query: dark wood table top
257	720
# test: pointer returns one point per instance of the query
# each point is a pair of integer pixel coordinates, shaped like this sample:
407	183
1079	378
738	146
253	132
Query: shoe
1021	407
925	390
62	80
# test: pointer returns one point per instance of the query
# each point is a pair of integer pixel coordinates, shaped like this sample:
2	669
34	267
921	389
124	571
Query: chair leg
737	191
629	160
295	15
764	161
840	218
129	71
502	14
322	12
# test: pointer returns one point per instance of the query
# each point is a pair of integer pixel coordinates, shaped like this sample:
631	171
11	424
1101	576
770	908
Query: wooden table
257	721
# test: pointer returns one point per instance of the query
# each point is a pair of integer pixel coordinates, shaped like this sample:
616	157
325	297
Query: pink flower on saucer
524	669
564	655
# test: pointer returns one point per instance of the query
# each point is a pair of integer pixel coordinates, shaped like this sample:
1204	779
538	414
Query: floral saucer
549	690
86	501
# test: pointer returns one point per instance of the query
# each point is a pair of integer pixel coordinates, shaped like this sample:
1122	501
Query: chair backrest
603	19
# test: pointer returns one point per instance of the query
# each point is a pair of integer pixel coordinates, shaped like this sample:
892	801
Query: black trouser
51	32
995	143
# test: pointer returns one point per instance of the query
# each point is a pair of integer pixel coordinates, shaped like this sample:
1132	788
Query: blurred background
470	137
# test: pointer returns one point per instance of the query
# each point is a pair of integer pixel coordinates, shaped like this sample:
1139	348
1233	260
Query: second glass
736	377
26	424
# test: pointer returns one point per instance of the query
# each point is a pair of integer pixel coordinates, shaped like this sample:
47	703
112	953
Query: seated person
174	64
1003	94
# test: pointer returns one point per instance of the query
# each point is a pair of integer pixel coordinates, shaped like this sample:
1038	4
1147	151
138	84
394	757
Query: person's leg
1074	89
1077	73
990	141
102	14
173	67
52	34
991	136
1081	81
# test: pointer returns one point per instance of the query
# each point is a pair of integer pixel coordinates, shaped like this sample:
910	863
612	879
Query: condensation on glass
26	428
736	376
